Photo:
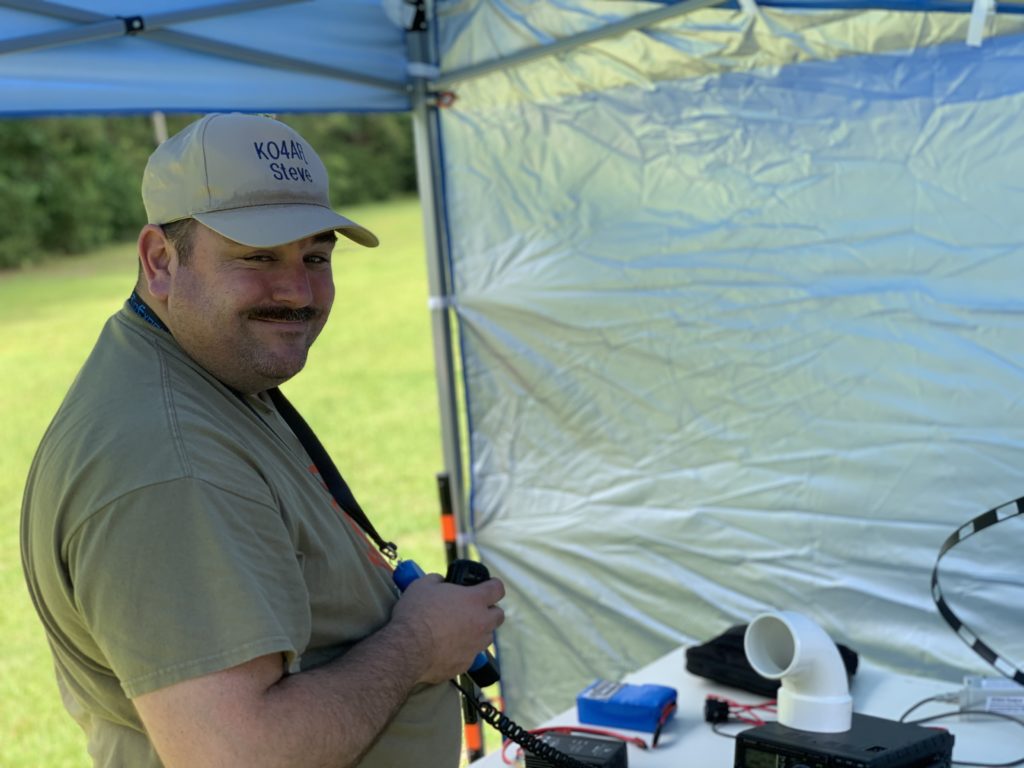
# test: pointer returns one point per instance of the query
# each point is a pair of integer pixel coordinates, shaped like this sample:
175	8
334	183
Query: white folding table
687	741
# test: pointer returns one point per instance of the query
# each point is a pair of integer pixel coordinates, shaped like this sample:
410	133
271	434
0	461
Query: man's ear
155	257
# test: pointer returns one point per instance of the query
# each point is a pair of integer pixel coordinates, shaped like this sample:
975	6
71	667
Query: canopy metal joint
133	25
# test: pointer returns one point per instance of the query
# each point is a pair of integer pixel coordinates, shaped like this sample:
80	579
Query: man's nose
292	287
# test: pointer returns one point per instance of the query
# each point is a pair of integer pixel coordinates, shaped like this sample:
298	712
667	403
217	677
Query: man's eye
316	258
259	257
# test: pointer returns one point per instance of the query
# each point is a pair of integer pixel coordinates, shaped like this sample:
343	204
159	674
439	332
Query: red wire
745	712
666	713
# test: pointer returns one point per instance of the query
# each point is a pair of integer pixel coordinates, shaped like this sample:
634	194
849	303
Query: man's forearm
252	716
345	704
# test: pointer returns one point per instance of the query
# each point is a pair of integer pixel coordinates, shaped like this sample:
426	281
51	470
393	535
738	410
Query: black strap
332	477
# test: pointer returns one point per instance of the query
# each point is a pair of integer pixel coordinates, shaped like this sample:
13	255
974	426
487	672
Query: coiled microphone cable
517	734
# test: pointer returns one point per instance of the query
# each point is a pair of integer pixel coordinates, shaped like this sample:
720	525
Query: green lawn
368	390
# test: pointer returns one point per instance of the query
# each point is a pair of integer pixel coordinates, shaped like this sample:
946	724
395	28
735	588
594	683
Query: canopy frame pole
430	180
638	21
95	26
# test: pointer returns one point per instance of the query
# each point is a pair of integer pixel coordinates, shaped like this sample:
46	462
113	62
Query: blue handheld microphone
484	670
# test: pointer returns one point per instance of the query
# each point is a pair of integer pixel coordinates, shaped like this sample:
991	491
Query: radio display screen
756	758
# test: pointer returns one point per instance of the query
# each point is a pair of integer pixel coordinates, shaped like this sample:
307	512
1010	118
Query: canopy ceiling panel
740	327
195	56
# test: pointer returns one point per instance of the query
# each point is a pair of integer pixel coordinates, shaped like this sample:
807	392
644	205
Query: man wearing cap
209	594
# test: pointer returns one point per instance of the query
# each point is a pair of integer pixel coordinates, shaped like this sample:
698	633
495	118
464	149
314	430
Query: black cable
959	711
921	703
517	734
716	727
953	713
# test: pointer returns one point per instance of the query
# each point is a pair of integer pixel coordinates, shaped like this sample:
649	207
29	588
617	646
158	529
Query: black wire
716	728
986	712
956	712
921	703
516	733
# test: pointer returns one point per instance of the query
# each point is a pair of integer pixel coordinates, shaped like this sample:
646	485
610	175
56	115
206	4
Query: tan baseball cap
250	178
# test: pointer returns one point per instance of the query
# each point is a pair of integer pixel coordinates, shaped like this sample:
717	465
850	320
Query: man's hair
181	234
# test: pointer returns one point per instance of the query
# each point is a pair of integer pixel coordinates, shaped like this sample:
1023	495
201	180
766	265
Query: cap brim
267	226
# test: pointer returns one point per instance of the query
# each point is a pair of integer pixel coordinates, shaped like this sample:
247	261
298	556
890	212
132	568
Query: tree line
68	185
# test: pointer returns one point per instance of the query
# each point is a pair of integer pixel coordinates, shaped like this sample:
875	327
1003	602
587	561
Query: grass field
368	390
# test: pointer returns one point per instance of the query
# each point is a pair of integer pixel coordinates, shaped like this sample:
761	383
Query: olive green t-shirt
172	528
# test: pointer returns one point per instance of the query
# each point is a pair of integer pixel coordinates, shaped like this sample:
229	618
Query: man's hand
448	624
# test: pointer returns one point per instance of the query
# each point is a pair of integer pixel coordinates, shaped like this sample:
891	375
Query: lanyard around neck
328	471
325	466
143	310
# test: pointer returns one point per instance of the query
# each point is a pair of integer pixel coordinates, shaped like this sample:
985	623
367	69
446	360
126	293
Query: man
207	600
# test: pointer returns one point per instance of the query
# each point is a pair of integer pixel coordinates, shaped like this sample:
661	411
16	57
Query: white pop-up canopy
735	293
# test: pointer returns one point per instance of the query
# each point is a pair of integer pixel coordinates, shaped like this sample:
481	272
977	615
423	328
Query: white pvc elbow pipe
815	691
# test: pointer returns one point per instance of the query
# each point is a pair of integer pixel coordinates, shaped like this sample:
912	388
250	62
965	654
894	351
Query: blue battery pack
626	705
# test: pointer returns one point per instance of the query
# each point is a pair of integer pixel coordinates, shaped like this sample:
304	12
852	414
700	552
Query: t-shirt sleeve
183	579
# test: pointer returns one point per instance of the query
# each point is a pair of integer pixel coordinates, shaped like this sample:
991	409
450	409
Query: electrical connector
716	710
992	694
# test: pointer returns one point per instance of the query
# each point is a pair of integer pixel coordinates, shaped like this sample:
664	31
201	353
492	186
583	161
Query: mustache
285	314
